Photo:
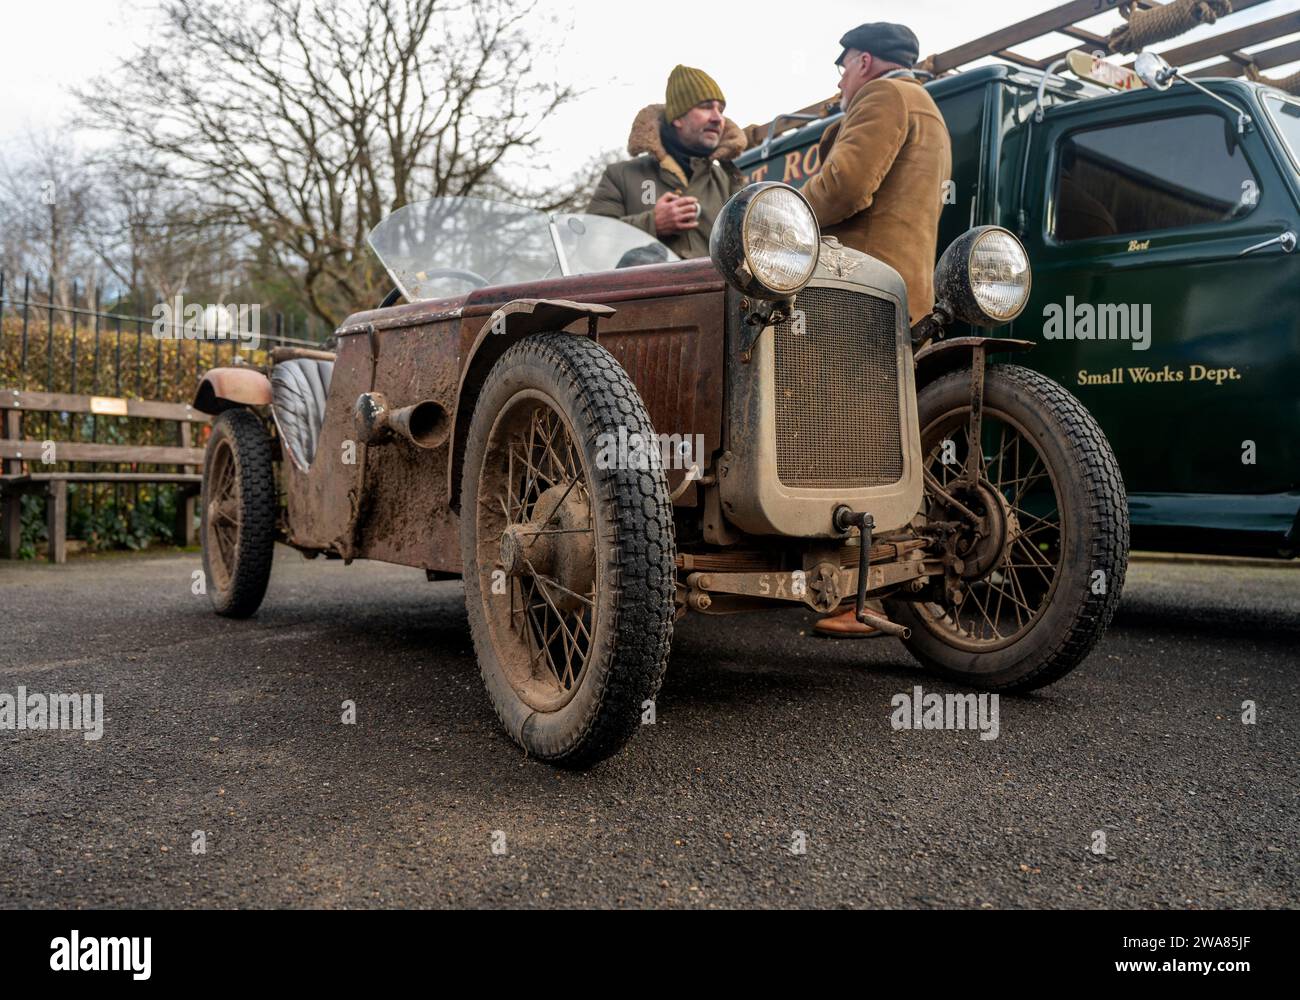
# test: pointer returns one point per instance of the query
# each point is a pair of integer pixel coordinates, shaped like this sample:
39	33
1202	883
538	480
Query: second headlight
766	241
984	277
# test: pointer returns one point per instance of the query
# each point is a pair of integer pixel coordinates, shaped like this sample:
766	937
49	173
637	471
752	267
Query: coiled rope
1291	84
1145	27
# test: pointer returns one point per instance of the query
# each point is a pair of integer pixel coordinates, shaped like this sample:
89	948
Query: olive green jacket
629	189
881	185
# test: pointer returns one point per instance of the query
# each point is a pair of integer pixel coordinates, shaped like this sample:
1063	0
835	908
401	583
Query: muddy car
600	439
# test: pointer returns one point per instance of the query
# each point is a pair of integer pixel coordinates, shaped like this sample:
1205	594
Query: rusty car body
598	454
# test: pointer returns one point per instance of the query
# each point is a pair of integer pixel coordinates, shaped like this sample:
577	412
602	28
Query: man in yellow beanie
681	172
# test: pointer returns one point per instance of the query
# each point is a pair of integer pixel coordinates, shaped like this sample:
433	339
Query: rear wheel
1038	548
238	516
568	556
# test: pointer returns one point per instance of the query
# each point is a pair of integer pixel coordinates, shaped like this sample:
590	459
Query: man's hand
676	214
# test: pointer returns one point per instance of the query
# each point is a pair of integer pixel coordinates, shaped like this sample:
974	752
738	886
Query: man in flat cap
881	185
681	173
884	165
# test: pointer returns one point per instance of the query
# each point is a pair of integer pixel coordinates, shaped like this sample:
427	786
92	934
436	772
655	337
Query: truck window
1287	116
1144	176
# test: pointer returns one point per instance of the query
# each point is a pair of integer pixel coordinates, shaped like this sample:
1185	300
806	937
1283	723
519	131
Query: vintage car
599	444
1161	225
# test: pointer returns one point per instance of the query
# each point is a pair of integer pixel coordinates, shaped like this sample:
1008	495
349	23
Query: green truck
1161	225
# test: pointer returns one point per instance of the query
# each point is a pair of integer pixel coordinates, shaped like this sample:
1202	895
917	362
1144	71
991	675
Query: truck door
1144	306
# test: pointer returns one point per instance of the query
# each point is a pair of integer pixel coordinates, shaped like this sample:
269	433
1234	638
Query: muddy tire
238	513
569	558
1043	603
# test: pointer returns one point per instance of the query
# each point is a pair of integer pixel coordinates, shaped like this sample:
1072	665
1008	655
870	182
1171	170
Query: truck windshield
1286	115
447	247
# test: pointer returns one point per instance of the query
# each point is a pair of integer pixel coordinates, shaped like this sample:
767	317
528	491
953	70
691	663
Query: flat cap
895	43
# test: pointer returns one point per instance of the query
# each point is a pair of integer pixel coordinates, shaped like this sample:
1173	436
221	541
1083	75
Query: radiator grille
837	420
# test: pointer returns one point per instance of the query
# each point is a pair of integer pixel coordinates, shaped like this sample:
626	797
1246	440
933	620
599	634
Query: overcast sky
767	56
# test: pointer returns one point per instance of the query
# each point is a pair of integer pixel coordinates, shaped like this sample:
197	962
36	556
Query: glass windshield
447	247
450	246
595	243
1287	116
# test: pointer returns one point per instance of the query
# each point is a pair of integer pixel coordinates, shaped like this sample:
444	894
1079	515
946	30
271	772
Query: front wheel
1035	551
568	549
239	508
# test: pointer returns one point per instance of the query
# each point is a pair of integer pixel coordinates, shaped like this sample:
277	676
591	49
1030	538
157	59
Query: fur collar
645	139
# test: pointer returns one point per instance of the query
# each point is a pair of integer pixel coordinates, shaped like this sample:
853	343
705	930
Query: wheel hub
556	542
521	547
982	547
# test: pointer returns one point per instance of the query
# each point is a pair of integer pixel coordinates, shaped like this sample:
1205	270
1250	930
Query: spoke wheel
1035	549
536	533
568	558
238	514
1010	559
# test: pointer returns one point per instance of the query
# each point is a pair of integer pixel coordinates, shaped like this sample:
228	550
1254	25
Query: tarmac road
234	729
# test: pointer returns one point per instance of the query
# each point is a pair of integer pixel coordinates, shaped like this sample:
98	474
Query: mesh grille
837	421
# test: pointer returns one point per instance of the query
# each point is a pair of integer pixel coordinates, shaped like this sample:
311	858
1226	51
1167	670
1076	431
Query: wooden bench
22	461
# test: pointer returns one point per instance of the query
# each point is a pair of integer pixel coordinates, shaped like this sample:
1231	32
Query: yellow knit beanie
688	87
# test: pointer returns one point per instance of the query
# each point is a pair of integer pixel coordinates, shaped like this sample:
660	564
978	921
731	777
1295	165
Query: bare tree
153	238
307	122
48	200
571	194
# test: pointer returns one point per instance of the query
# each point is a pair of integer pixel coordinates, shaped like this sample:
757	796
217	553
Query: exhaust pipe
425	424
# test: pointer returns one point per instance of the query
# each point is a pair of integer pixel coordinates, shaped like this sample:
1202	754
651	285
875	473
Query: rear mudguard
229	388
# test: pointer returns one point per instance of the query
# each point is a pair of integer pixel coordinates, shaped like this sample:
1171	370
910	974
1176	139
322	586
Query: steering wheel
473	277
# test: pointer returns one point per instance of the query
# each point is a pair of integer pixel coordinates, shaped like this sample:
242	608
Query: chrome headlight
984	278
766	241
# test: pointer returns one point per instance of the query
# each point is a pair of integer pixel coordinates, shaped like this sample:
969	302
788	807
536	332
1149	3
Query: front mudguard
508	325
940	357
